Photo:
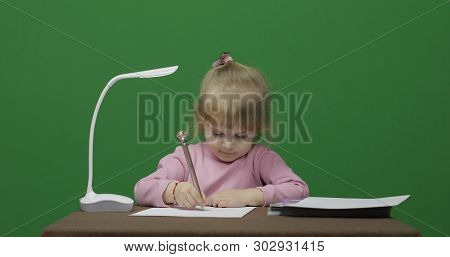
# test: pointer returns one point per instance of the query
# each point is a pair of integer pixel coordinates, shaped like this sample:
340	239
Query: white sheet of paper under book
197	212
344	203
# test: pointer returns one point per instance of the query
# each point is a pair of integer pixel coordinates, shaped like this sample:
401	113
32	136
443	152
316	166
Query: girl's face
228	144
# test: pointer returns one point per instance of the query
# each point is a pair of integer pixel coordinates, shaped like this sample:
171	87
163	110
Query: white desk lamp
93	202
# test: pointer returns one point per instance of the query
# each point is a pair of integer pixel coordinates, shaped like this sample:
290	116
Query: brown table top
256	223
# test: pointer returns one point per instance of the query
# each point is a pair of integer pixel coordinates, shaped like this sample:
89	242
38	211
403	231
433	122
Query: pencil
182	135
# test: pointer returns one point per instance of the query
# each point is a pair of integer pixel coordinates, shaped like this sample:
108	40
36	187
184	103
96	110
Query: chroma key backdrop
369	80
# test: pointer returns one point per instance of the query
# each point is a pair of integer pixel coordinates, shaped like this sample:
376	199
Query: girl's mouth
224	153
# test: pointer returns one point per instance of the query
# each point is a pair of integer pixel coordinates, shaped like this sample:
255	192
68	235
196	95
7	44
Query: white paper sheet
207	212
345	203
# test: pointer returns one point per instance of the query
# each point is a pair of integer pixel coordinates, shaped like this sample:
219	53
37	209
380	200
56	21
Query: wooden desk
256	223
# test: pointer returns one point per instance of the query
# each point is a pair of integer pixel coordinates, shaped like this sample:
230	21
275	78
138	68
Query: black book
337	207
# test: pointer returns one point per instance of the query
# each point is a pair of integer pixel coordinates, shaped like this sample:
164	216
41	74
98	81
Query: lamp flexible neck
92	129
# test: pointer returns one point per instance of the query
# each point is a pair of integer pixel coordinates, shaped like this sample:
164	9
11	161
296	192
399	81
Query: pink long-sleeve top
259	168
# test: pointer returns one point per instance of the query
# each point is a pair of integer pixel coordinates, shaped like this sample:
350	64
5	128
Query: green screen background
378	72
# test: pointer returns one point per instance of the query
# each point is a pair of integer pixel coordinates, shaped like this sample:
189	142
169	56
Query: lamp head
152	73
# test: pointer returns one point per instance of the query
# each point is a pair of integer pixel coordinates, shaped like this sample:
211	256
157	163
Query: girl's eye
217	134
241	136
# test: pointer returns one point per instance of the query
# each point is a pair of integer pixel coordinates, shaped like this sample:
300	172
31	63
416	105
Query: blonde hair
233	94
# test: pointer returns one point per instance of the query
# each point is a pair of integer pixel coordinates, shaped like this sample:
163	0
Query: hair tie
223	59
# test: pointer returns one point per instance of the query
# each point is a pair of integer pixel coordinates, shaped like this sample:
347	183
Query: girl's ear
207	129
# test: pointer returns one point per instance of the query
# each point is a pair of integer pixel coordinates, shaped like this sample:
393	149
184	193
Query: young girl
232	170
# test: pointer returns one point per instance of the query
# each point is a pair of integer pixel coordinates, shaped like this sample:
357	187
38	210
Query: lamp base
93	202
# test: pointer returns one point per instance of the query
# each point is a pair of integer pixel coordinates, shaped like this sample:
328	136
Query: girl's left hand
229	198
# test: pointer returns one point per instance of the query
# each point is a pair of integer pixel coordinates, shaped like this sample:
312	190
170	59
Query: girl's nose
227	144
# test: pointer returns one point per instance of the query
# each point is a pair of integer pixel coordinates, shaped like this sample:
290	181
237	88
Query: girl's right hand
187	196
